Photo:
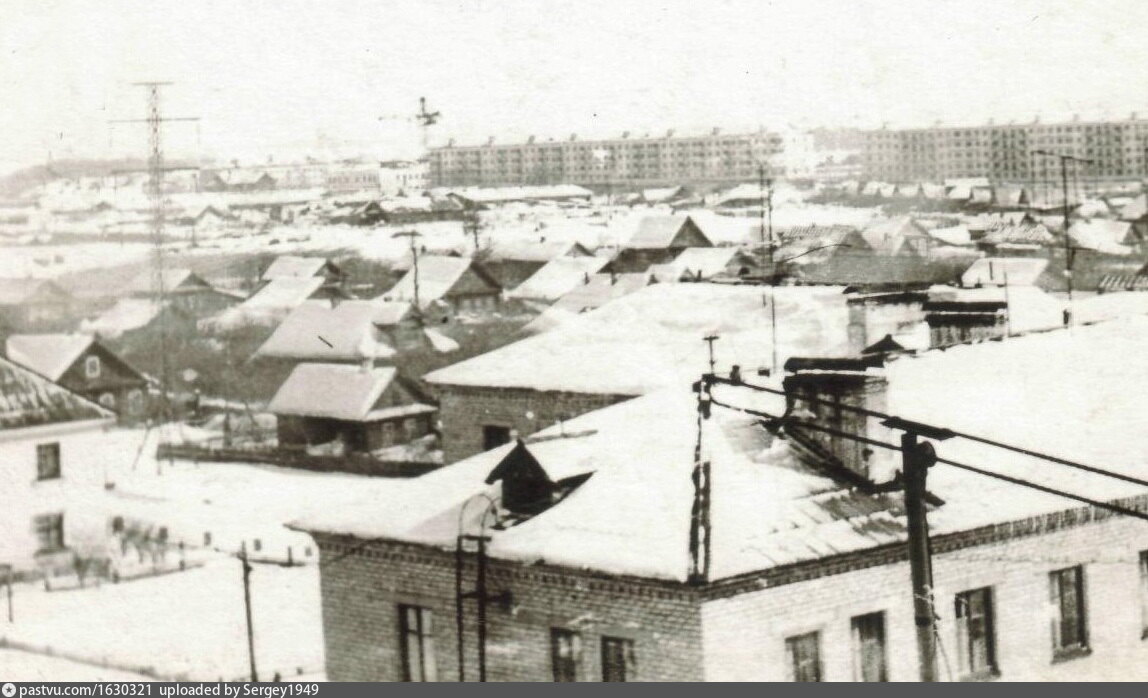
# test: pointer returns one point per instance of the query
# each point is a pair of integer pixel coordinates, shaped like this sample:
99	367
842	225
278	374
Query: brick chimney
817	389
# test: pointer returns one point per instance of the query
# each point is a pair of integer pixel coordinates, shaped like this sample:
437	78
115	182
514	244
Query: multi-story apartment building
1007	152
670	159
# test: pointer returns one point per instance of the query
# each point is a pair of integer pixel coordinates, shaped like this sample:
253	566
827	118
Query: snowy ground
17	665
182	625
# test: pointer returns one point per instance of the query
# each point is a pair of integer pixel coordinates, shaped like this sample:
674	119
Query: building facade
670	159
1007	152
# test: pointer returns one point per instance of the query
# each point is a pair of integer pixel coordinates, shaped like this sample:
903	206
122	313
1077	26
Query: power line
964	435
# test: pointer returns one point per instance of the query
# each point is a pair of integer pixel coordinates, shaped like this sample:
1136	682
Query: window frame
423	634
1060	649
51	524
487	432
92	367
42	474
628	656
565	669
795	668
962	608
858	646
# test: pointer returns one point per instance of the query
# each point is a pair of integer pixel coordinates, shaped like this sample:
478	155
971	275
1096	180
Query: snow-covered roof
288	266
995	271
558	277
29	399
599	290
653	337
50	355
769	507
336	391
527	193
437	276
172	280
705	262
657	232
18	291
534	250
661	194
1006	233
952	235
284	292
1028	308
320	331
126	315
1135	209
1102	235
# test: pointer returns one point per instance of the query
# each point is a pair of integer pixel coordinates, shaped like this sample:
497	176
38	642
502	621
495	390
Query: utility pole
1068	248
917	458
709	339
247	607
413	234
472	226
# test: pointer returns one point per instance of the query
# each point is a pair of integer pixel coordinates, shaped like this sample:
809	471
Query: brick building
614	552
632	345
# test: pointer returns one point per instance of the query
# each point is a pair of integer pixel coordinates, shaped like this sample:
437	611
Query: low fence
355	464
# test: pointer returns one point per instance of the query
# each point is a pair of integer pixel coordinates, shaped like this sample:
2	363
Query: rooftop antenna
426	119
710	339
155	121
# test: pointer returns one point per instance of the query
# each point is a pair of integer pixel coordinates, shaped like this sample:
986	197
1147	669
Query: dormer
527	488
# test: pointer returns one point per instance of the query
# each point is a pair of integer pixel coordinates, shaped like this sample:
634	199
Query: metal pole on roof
1068	248
247	608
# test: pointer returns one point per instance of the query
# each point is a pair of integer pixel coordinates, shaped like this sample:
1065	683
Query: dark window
1069	629
975	641
1144	594
49	532
565	654
869	647
494	436
48	461
804	656
416	643
617	659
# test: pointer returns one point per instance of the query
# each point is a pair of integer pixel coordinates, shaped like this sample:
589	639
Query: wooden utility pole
247	607
1069	250
915	462
413	234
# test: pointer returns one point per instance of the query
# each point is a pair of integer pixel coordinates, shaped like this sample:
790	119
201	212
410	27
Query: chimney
814	388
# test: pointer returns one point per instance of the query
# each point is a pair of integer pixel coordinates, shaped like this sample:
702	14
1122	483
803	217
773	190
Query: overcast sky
274	77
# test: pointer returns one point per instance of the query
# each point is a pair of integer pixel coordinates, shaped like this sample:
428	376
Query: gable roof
558	277
707	262
1102	235
126	315
653	337
535	250
318	331
291	266
335	391
18	291
173	280
50	355
994	271
28	399
661	232
283	293
438	275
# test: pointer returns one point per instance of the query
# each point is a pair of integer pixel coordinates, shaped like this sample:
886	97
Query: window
92	367
494	436
617	659
869	647
1069	633
975	632
108	400
416	643
135	402
49	532
48	461
804	656
565	654
1144	594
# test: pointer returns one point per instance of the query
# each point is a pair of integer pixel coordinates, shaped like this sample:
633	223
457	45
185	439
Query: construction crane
424	118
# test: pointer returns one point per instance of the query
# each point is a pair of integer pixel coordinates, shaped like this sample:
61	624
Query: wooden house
659	240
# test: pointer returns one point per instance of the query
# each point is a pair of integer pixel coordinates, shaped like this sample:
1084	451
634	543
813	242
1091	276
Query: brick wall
744	635
464	411
362	587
